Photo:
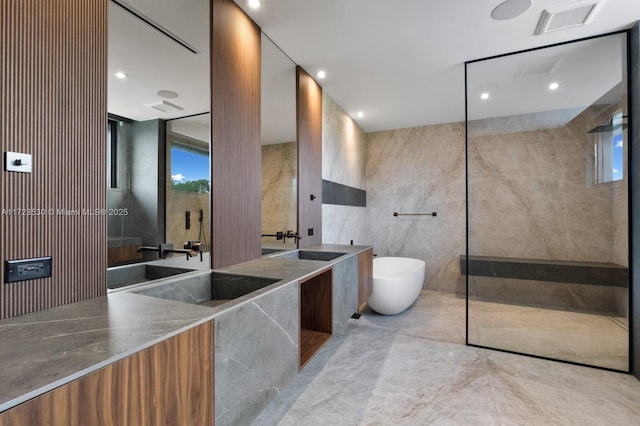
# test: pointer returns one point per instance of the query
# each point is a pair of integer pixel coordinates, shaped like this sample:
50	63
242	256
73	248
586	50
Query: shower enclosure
547	261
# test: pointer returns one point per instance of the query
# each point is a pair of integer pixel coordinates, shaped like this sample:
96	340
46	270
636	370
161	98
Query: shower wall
538	185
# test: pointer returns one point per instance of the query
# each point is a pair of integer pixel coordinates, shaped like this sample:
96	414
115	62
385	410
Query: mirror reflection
548	203
158	71
279	150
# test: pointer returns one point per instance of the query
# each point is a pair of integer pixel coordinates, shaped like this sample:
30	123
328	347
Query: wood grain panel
53	62
235	142
316	324
365	277
309	134
122	255
170	383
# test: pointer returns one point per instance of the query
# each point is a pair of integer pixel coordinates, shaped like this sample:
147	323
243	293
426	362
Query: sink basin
266	251
313	255
209	290
121	276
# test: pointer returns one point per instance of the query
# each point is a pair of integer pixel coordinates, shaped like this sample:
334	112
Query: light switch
17	162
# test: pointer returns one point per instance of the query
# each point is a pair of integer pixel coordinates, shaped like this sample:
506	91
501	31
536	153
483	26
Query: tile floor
413	369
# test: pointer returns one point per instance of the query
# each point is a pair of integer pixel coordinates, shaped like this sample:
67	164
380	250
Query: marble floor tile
413	369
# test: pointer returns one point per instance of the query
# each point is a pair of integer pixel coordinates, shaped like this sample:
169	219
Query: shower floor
592	338
586	337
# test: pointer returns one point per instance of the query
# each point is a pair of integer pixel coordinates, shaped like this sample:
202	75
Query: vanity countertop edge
43	350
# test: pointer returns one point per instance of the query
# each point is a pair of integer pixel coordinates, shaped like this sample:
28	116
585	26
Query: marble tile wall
256	354
419	170
177	204
343	161
279	188
532	194
534	185
345	292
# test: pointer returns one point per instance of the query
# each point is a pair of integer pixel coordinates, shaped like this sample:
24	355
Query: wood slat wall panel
235	142
53	106
170	383
309	134
365	277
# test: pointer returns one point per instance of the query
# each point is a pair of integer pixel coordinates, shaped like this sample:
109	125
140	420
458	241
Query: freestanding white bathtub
397	282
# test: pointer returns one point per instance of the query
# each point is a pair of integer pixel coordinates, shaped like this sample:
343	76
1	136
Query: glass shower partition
547	260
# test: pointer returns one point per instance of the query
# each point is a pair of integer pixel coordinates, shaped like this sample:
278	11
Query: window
609	150
189	169
112	154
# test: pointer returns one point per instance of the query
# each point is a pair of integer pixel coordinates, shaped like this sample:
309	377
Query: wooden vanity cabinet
316	320
365	277
170	383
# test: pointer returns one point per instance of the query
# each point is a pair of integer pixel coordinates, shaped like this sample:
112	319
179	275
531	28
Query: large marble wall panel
279	187
178	203
256	354
343	146
419	170
343	162
345	292
532	195
345	224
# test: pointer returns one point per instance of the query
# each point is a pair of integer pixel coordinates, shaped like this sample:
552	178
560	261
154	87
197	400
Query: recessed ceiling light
360	114
321	74
168	94
553	86
485	95
509	9
121	75
254	4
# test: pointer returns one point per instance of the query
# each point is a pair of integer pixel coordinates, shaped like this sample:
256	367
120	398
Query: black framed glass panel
547	258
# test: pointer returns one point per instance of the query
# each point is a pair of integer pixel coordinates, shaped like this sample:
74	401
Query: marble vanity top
46	349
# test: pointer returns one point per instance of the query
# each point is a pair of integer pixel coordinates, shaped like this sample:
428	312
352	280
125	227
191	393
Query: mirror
548	225
158	71
279	149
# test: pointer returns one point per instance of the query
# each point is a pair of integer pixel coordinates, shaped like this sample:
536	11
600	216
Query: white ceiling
400	61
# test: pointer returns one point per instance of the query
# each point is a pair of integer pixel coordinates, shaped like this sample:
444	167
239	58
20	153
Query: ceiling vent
538	67
165	106
569	15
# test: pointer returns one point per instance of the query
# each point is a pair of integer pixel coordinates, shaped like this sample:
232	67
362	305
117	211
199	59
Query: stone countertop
46	349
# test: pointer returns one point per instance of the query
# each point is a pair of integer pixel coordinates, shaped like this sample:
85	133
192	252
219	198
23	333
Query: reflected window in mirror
112	153
189	169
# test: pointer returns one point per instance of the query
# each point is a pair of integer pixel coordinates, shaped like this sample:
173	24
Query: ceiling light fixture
360	114
254	4
321	74
553	86
509	9
121	75
484	96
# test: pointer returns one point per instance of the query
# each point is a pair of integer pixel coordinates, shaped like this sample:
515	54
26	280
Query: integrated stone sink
209	290
266	251
313	255
121	276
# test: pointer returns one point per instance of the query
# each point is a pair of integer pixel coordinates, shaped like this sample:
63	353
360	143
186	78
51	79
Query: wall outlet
27	269
310	231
